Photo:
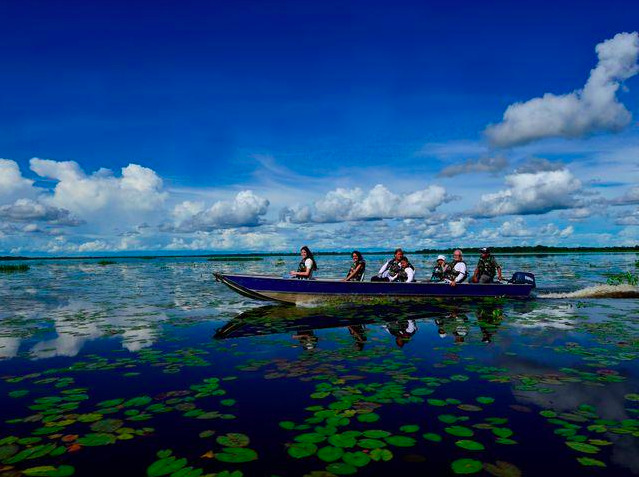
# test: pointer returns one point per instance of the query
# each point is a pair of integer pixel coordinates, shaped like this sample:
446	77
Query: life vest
439	272
358	276
302	267
402	276
394	267
487	266
452	273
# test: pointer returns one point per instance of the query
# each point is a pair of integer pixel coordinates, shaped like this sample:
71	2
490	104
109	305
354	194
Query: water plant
22	267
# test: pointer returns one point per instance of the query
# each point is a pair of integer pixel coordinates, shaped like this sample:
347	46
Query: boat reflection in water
400	321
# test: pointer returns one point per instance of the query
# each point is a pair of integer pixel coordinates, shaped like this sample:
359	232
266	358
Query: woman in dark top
356	273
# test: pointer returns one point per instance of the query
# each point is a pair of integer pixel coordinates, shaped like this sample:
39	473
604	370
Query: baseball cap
484	250
441	257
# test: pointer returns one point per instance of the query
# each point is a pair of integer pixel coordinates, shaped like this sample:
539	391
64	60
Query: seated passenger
405	274
440	269
307	265
486	269
458	271
390	267
356	273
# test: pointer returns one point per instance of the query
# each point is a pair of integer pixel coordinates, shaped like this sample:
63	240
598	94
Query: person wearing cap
487	267
440	269
458	270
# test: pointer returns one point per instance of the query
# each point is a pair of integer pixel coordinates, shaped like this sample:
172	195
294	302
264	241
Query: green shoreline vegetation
527	250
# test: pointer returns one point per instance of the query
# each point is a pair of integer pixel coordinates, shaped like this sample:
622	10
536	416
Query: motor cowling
523	278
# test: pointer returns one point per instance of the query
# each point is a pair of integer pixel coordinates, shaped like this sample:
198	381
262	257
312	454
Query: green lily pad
381	455
436	402
236	455
470	445
341	440
422	392
502	432
287	425
312	437
31	453
299	450
358	459
227	402
459	431
341	468
371	443
466	466
632	397
583	447
165	466
8	450
233	439
431	436
18	393
137	401
485	400
50	471
409	428
368	417
590	462
375	433
330	453
107	425
97	439
400	441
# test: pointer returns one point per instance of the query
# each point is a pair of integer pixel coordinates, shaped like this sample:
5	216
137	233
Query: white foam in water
598	291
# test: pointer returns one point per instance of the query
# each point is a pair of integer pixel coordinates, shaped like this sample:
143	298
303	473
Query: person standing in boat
487	268
406	272
440	269
391	267
458	271
356	273
307	265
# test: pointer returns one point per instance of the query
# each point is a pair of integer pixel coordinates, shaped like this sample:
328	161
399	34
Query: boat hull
295	291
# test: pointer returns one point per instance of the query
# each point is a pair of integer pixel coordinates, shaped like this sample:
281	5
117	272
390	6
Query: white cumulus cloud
138	189
12	184
245	210
531	193
594	108
341	205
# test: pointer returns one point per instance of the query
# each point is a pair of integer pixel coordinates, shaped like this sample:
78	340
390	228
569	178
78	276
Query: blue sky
302	104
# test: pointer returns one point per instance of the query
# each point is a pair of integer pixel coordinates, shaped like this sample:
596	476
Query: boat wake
597	291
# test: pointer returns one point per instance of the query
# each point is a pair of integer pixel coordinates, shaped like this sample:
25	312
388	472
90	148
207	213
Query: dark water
148	367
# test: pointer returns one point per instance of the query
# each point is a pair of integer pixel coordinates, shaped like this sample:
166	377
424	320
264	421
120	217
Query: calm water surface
149	367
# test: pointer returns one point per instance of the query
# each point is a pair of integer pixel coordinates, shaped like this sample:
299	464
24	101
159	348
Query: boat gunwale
338	280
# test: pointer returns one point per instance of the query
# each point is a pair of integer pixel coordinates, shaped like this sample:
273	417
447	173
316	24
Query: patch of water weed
22	267
106	262
234	259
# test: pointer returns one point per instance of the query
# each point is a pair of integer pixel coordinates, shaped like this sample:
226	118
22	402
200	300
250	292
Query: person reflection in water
358	332
402	330
489	319
307	339
453	323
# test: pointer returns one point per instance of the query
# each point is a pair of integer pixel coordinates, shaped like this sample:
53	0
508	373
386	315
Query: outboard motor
523	278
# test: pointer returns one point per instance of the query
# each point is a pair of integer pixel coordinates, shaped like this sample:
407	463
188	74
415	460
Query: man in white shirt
459	271
391	267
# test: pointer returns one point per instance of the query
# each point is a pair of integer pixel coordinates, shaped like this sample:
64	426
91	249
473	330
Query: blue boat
293	290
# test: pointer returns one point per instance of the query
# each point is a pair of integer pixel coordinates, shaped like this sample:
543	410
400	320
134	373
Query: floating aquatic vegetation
22	267
235	259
